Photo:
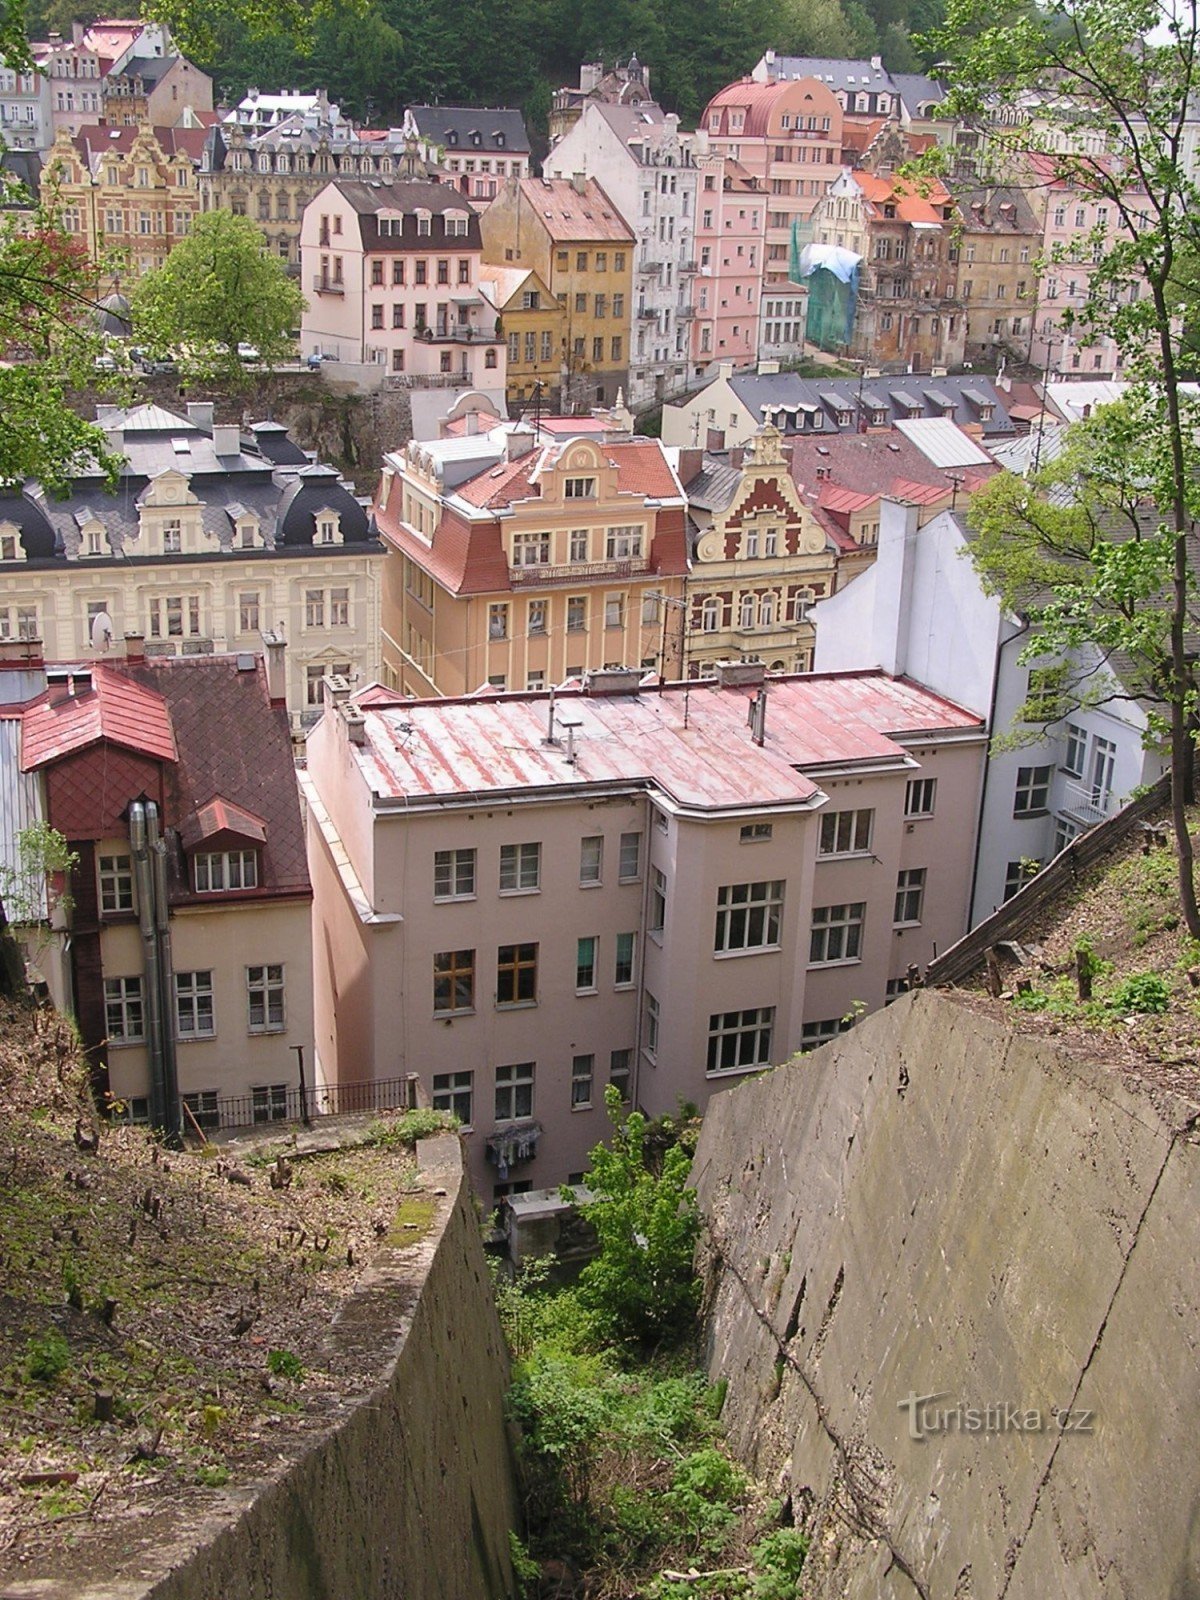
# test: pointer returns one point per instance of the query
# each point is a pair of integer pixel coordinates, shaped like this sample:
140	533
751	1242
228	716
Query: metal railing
579	572
1087	803
328	1100
323	285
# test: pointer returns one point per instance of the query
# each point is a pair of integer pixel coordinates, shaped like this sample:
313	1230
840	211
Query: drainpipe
173	1124
144	876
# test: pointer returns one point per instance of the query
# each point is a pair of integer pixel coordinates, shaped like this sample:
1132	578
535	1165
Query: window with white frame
264	992
454	1092
194	1014
658	900
650	603
583	1070
172	536
175	616
514	1091
580	489
116	885
755	832
585	964
520	868
339	608
454	874
1018	873
314	608
920	797
249	612
498	621
577	547
710	615
204	1107
748	916
1075	752
218	871
614	610
1032	794
531	549
846	833
740	1041
576	613
453	982
626	955
591	858
124	1020
622	544
268	1102
629	868
910	896
537	617
1104	757
837	933
650	1031
620	1072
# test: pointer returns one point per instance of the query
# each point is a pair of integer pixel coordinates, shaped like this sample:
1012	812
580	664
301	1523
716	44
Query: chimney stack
135	647
227	439
200	412
579	182
275	645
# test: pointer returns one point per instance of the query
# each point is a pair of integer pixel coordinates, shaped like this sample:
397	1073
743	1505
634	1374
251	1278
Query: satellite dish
102	631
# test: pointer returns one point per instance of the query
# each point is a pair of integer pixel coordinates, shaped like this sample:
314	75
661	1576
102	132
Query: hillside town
742	593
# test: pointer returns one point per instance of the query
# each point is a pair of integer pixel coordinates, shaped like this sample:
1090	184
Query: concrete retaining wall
409	1495
934	1205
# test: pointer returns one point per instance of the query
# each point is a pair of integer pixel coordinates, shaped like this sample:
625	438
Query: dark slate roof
316	489
456	127
915	88
26	167
970	392
275	444
714	486
37	530
112	316
148	68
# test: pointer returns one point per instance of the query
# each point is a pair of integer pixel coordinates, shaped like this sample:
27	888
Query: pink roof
642	469
442	749
114	708
569	216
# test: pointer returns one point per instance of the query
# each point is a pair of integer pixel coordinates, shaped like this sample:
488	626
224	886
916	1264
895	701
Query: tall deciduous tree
1081	85
216	290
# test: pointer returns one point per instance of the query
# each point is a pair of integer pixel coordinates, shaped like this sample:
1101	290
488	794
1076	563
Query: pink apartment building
730	221
391	275
523	898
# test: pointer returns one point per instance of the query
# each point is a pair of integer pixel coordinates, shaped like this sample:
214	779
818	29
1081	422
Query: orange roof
566	214
226	816
910	206
110	708
642	469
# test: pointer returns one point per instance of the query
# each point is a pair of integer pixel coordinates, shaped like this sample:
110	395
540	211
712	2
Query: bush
285	1364
779	1559
47	1356
1142	992
406	1129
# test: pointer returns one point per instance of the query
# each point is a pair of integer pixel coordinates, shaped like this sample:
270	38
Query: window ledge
737	1072
453	899
899	927
592	883
449	1016
843	961
590	990
587	1105
844	855
512	894
516	1005
750	950
277	1028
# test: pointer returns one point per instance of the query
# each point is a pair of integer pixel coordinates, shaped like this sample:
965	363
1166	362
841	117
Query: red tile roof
112	709
911	206
221	816
569	216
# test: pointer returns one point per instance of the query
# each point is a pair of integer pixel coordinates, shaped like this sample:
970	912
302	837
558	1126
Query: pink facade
730	222
390	272
521	899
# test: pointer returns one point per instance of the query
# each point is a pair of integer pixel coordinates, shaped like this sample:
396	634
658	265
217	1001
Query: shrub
47	1356
285	1364
1142	992
410	1126
779	1559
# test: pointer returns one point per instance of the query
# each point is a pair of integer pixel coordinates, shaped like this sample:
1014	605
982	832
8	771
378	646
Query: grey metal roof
714	486
454	127
915	88
788	392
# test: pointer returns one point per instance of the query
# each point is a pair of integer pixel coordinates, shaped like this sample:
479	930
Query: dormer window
424	224
456	225
580	489
219	871
499	139
246	531
476	137
172	536
452	136
328	528
11	548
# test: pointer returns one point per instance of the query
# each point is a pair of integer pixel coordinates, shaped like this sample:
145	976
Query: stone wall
410	1494
934	1205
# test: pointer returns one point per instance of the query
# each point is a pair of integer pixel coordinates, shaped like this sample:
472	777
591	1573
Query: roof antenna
551	736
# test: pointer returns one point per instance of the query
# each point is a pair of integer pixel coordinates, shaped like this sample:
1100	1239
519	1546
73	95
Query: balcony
544	577
649	267
685	313
323	285
1086	803
648	314
687	266
458	333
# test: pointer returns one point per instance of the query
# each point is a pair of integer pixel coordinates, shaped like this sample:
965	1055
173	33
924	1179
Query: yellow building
516	563
570	234
534	323
761	561
131	193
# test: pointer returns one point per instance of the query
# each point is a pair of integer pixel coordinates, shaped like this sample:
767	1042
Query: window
748	916
204	1108
514	1091
837	933
582	1071
520	868
614	610
452	1092
194	1005
919	797
116	884
226	869
910	894
498	621
339	608
537	617
623	966
264	989
1076	749
846	833
620	1067
651	1030
755	832
454	874
591	858
630	866
658	900
578	549
248	613
622	543
1044	701
516	974
813	1034
585	963
269	1102
580	489
314	608
1018	874
1032	792
453	982
172	534
576	613
1104	756
123	1010
740	1041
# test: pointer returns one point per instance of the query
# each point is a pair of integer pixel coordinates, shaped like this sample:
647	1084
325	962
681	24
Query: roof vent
245	661
613	680
739	674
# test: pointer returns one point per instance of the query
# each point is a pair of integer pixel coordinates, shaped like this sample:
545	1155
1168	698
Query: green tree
642	1283
218	289
1103	108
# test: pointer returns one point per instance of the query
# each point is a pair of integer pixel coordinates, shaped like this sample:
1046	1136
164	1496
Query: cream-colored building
516	562
209	543
525	898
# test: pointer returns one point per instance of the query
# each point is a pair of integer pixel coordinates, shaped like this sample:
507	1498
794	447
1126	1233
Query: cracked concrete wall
409	1495
935	1205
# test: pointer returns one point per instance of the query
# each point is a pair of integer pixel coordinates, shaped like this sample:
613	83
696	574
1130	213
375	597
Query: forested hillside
377	56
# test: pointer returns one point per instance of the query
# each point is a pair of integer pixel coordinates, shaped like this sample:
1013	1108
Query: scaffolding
832	275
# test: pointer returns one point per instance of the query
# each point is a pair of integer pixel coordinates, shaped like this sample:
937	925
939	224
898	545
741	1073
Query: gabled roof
220	817
96	140
453	126
105	706
568	215
791	394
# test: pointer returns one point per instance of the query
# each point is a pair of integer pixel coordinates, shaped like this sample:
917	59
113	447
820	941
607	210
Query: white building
26	114
648	170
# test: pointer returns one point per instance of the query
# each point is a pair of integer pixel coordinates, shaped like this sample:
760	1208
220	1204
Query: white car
247	352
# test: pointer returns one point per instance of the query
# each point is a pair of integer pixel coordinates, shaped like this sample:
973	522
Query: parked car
247	352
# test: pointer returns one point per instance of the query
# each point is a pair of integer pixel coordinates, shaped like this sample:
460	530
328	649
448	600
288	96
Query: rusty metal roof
101	704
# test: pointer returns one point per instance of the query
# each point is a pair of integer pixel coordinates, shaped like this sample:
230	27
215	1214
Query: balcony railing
323	285
688	266
685	313
1086	803
328	1100
458	333
648	314
577	572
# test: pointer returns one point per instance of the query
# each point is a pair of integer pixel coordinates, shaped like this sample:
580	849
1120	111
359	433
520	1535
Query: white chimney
895	561
227	439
